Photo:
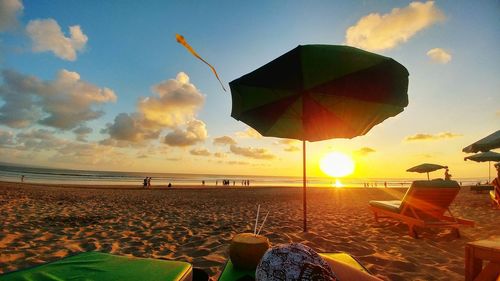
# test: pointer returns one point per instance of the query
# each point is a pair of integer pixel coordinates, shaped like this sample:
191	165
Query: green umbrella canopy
484	157
426	168
485	144
487	156
318	92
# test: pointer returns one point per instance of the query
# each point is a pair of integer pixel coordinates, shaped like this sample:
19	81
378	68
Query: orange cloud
256	153
364	151
224	140
249	133
426	137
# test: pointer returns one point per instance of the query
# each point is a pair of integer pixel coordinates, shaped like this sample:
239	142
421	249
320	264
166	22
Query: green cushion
102	267
230	273
390	205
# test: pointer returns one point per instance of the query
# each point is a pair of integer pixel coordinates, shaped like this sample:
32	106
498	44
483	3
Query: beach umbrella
426	168
487	156
318	92
485	144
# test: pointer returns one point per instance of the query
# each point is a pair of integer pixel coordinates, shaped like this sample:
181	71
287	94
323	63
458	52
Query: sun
337	164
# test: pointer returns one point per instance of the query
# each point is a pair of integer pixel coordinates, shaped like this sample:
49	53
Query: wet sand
41	223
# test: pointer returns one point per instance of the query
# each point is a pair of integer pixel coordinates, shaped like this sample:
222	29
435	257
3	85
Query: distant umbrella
487	156
426	168
319	92
485	144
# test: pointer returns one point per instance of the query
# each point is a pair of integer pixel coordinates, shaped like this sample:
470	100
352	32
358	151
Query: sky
105	86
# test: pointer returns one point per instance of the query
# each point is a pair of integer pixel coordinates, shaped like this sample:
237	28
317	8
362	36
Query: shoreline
43	223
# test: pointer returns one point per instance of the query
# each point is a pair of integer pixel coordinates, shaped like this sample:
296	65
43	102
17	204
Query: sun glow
337	164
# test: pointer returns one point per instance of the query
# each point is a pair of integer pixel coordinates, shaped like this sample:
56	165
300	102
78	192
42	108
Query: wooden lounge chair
101	266
336	260
495	201
425	204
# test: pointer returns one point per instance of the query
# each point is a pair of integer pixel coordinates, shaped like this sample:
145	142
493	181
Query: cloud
9	9
174	104
224	140
200	152
237	163
177	102
6	138
82	132
39	140
249	133
256	153
129	127
64	103
291	148
47	36
220	155
376	32
426	137
439	55
290	145
364	151
195	132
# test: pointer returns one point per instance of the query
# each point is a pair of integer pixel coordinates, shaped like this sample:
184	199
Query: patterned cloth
291	262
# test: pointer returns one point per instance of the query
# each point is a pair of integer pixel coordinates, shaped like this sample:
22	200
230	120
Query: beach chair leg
413	231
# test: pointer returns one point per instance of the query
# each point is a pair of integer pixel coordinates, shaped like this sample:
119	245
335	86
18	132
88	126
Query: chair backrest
429	199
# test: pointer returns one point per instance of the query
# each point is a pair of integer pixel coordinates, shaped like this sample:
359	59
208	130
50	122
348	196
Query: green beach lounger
102	267
233	274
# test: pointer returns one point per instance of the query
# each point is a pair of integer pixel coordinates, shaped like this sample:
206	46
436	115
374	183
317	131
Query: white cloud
174	104
65	103
177	102
195	132
9	9
376	32
47	37
439	55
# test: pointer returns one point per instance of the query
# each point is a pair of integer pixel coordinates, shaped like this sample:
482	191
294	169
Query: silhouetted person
145	182
149	182
447	175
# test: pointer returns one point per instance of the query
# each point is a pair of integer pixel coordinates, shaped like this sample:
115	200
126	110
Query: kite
181	40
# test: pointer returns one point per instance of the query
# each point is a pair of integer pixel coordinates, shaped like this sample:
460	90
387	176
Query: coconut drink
247	249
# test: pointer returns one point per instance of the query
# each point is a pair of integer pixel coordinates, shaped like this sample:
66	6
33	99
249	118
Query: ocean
11	173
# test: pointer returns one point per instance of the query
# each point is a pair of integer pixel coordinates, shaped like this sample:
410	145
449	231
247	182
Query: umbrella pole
489	171
428	176
304	183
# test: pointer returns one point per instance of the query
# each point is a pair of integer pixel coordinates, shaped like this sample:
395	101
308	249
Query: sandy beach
41	223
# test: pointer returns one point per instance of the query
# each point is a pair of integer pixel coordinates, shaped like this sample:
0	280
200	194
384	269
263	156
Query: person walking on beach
145	182
22	178
149	182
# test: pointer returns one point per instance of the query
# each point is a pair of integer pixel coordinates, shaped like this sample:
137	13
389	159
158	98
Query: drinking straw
256	220
263	223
